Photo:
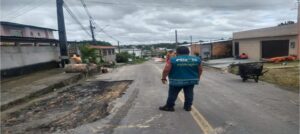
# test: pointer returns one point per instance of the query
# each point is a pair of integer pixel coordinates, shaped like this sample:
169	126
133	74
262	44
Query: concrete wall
106	55
205	49
137	52
35	33
26	32
294	51
220	50
19	56
110	58
3	31
195	48
11	31
252	47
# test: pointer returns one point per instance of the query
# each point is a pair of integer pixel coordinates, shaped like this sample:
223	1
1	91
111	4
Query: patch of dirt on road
75	106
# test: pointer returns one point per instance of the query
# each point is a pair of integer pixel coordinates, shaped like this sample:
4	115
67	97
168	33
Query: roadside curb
220	69
44	90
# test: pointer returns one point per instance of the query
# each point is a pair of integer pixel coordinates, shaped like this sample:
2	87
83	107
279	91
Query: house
107	52
147	53
21	34
216	49
195	49
267	42
26	48
136	52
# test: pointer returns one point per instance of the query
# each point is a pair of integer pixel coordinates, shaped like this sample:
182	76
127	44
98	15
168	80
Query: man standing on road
184	72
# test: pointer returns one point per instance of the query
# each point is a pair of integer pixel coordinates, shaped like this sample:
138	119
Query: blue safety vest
184	70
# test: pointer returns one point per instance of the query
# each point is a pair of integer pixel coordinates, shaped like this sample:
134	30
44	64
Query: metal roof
102	47
215	41
285	30
186	45
5	23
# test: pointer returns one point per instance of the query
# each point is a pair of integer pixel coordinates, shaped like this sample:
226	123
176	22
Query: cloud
146	21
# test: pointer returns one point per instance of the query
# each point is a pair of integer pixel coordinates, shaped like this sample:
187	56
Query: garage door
275	48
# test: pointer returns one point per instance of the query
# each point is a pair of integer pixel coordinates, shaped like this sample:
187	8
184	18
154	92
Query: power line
86	10
91	20
14	12
143	4
107	34
17	11
75	18
94	22
28	10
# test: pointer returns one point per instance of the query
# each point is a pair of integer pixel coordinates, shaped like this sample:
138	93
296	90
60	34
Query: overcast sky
151	21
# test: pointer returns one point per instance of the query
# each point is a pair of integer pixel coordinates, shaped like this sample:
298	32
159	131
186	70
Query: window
113	51
16	33
31	33
109	52
39	34
292	45
104	52
236	49
98	52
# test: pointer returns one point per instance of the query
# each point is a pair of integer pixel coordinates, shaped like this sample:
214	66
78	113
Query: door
236	49
275	48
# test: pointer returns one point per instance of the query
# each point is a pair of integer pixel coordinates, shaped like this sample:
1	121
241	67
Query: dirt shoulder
76	105
285	75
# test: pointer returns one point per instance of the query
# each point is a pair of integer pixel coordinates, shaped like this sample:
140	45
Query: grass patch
286	76
138	61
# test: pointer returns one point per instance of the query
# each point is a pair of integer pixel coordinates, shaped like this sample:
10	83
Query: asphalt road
223	104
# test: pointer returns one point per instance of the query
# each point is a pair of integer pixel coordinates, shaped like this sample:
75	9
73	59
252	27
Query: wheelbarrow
251	71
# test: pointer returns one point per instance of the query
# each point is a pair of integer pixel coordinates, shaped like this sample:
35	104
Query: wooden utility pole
92	31
119	46
298	21
176	40
62	33
133	53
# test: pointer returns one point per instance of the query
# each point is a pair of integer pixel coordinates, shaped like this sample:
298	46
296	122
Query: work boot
166	108
187	108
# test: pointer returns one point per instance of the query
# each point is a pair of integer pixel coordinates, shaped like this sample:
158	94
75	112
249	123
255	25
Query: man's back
185	70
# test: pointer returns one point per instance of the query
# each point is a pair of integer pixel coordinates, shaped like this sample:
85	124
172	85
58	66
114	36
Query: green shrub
123	57
89	55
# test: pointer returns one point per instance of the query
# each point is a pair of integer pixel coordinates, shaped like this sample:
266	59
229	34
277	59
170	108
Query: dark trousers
188	95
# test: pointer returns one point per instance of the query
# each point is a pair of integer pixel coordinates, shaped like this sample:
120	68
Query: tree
286	23
100	43
123	57
88	54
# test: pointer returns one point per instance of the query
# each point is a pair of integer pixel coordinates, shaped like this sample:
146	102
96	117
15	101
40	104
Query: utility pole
119	46
298	21
62	33
176	37
92	31
191	38
133	53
